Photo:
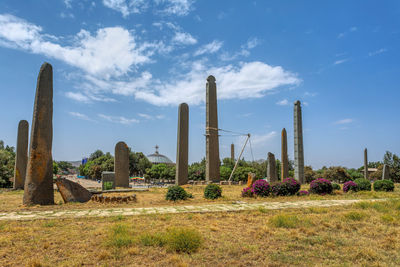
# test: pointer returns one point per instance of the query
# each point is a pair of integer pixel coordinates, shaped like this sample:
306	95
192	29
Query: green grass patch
355	216
288	221
176	239
119	236
49	224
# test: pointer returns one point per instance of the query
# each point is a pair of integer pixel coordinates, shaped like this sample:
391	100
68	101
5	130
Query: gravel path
239	206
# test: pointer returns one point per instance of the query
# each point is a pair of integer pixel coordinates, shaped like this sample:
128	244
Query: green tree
309	174
97	154
138	163
7	162
197	171
225	172
65	166
393	162
55	167
336	174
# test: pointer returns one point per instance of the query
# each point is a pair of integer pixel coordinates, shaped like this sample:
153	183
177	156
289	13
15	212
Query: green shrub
336	186
183	240
212	191
176	192
119	236
363	184
284	221
152	239
384	185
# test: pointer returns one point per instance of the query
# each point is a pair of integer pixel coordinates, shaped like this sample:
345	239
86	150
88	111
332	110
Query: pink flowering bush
246	192
303	193
321	186
287	187
261	188
350	186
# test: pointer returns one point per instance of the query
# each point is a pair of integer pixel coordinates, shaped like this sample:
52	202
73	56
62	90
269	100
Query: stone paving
237	206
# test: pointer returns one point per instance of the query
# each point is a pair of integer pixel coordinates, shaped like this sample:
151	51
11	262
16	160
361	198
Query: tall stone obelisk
121	165
298	144
39	176
271	168
212	142
365	164
284	156
232	152
182	148
21	158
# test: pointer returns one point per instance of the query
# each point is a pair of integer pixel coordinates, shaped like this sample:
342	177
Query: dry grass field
363	234
155	197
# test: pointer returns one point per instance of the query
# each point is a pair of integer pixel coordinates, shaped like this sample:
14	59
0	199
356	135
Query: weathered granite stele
212	142
284	156
121	165
182	150
366	164
72	192
251	178
107	177
232	152
21	158
385	172
271	168
298	144
39	176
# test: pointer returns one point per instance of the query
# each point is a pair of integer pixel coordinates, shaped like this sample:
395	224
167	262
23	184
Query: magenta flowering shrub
246	192
303	193
287	187
261	188
350	186
321	186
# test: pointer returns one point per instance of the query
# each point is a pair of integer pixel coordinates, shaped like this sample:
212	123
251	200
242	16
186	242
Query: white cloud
176	7
67	3
167	7
248	80
118	5
98	54
377	52
343	34
283	102
262	139
244	51
210	48
344	121
341	61
184	38
145	116
118	119
78	97
79	116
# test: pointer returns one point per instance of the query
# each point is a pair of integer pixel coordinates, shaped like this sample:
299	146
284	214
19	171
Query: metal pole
237	161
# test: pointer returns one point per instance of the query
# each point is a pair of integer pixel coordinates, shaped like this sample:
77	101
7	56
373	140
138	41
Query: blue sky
121	68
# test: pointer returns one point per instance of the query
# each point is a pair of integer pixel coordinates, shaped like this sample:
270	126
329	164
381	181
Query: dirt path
239	206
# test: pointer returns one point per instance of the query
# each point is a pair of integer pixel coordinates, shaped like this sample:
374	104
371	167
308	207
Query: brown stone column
212	142
39	176
271	168
284	156
21	158
233	152
182	148
298	144
366	164
121	165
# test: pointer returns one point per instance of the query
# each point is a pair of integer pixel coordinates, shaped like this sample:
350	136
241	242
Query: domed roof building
158	158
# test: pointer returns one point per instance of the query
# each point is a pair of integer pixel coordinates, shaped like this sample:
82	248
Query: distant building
370	170
158	158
